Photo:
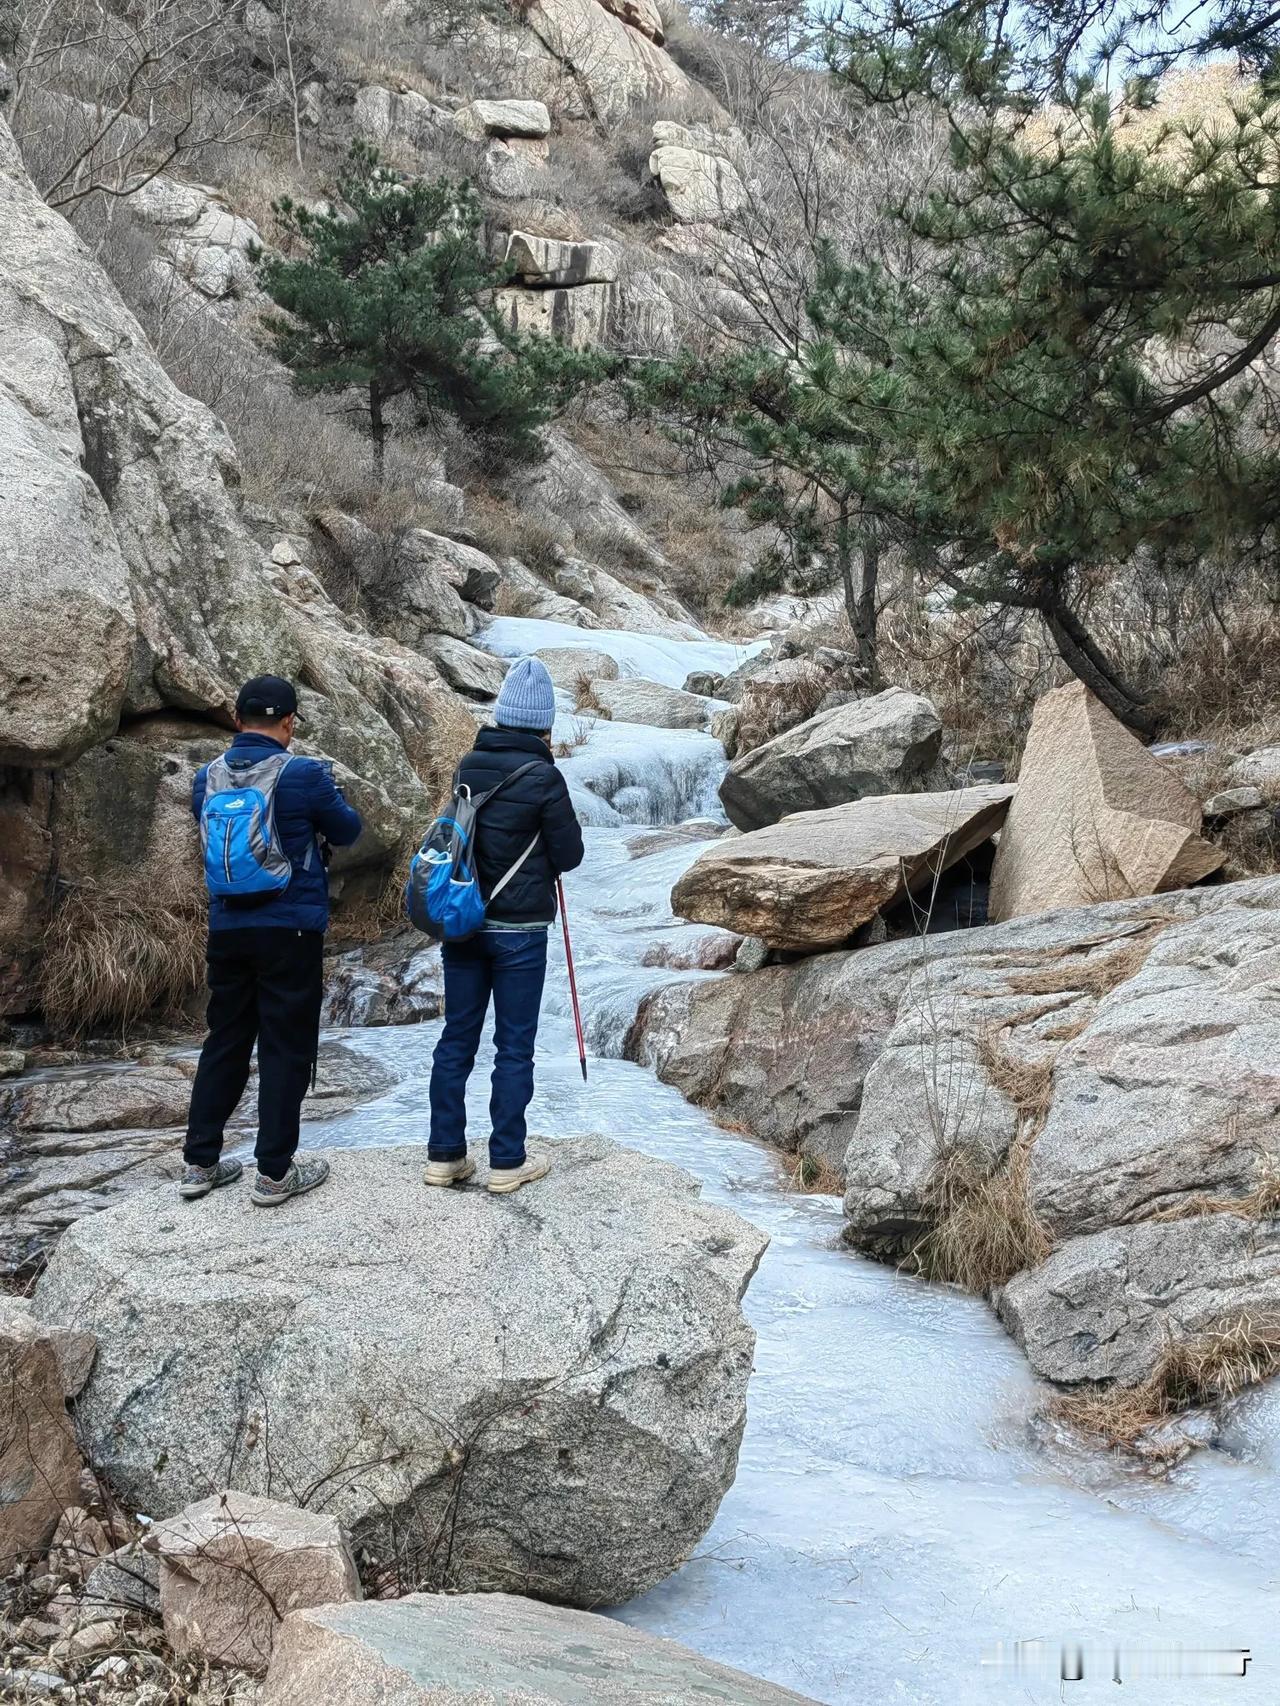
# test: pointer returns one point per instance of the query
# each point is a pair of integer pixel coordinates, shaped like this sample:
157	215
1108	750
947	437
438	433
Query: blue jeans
510	965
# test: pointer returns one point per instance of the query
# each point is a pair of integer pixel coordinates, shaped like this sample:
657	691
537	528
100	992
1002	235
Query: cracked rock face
544	1392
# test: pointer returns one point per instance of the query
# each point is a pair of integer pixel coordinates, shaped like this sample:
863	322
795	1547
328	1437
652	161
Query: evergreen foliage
394	296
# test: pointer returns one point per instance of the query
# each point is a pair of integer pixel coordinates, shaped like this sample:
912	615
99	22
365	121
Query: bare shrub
1210	1368
116	952
505	529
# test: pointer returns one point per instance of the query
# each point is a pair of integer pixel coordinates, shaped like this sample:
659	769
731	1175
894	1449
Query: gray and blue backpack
243	858
442	895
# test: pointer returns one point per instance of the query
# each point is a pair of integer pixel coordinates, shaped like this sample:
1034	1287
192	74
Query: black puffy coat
537	801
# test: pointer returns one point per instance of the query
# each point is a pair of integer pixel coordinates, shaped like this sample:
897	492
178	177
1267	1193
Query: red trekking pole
573	982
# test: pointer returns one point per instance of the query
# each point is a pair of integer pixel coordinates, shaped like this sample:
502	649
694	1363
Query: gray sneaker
302	1176
199	1181
449	1172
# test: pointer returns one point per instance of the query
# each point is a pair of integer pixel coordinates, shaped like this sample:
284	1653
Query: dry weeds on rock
1212	1367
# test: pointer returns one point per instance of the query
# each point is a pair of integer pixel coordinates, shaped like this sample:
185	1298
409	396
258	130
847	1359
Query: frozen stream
895	1515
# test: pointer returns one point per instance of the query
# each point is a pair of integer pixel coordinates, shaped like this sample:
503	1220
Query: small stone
1231	802
32	1684
93	1638
12	1062
114	1669
751	955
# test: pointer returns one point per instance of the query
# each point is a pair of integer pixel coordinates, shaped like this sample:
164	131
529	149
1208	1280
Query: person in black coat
527	837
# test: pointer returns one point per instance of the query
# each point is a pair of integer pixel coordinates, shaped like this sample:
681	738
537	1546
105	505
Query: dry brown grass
1261	1203
503	529
983	1228
581	733
1028	1084
1214	1366
115	953
1095	975
585	700
769	708
814	1177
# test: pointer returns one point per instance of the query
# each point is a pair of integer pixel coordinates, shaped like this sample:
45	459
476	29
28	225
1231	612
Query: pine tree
394	297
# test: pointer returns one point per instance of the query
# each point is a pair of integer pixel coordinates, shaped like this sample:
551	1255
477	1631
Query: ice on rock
895	1514
647	776
648	656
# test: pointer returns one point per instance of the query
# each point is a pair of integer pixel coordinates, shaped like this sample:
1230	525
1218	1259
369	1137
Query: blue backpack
243	858
442	895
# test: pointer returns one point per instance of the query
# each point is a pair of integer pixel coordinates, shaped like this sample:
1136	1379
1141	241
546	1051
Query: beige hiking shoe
449	1172
504	1179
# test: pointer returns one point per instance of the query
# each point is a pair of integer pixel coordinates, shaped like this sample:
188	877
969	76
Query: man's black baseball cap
266	696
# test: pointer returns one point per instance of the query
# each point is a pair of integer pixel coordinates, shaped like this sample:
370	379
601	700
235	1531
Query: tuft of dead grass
585	700
1214	1366
983	1228
770	708
113	954
1028	1084
812	1176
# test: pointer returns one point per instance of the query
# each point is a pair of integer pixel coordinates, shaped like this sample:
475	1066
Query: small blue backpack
243	858
442	895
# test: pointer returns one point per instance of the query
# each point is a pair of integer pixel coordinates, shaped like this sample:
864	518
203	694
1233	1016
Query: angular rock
232	1566
706	682
1230	802
490	1650
127	1579
613	66
39	1457
1258	769
74	1348
581	317
570	666
515	168
479	119
1105	1307
564	1378
542	262
1168	1093
632	700
1096	817
389	115
419	597
89	1099
809	881
890	743
468	670
700	183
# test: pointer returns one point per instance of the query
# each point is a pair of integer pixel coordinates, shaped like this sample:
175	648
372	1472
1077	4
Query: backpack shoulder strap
506	877
478	800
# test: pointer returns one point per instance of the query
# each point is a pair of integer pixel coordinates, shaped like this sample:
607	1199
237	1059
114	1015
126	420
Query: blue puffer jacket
537	804
308	805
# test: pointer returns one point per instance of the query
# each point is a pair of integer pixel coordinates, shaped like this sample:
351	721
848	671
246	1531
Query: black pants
265	985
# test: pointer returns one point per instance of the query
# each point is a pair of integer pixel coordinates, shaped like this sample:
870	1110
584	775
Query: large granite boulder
1167	1094
1096	818
479	119
633	700
545	1392
199	235
543	262
890	743
582	317
612	66
571	666
699	180
399	116
131	588
483	1650
1108	1306
812	879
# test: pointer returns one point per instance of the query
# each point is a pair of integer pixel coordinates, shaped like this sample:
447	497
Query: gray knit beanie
528	698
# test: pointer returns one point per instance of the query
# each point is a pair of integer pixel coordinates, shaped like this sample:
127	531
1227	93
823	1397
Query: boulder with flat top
543	1392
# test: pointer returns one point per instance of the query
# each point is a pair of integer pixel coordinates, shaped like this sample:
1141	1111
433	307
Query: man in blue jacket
528	835
264	964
